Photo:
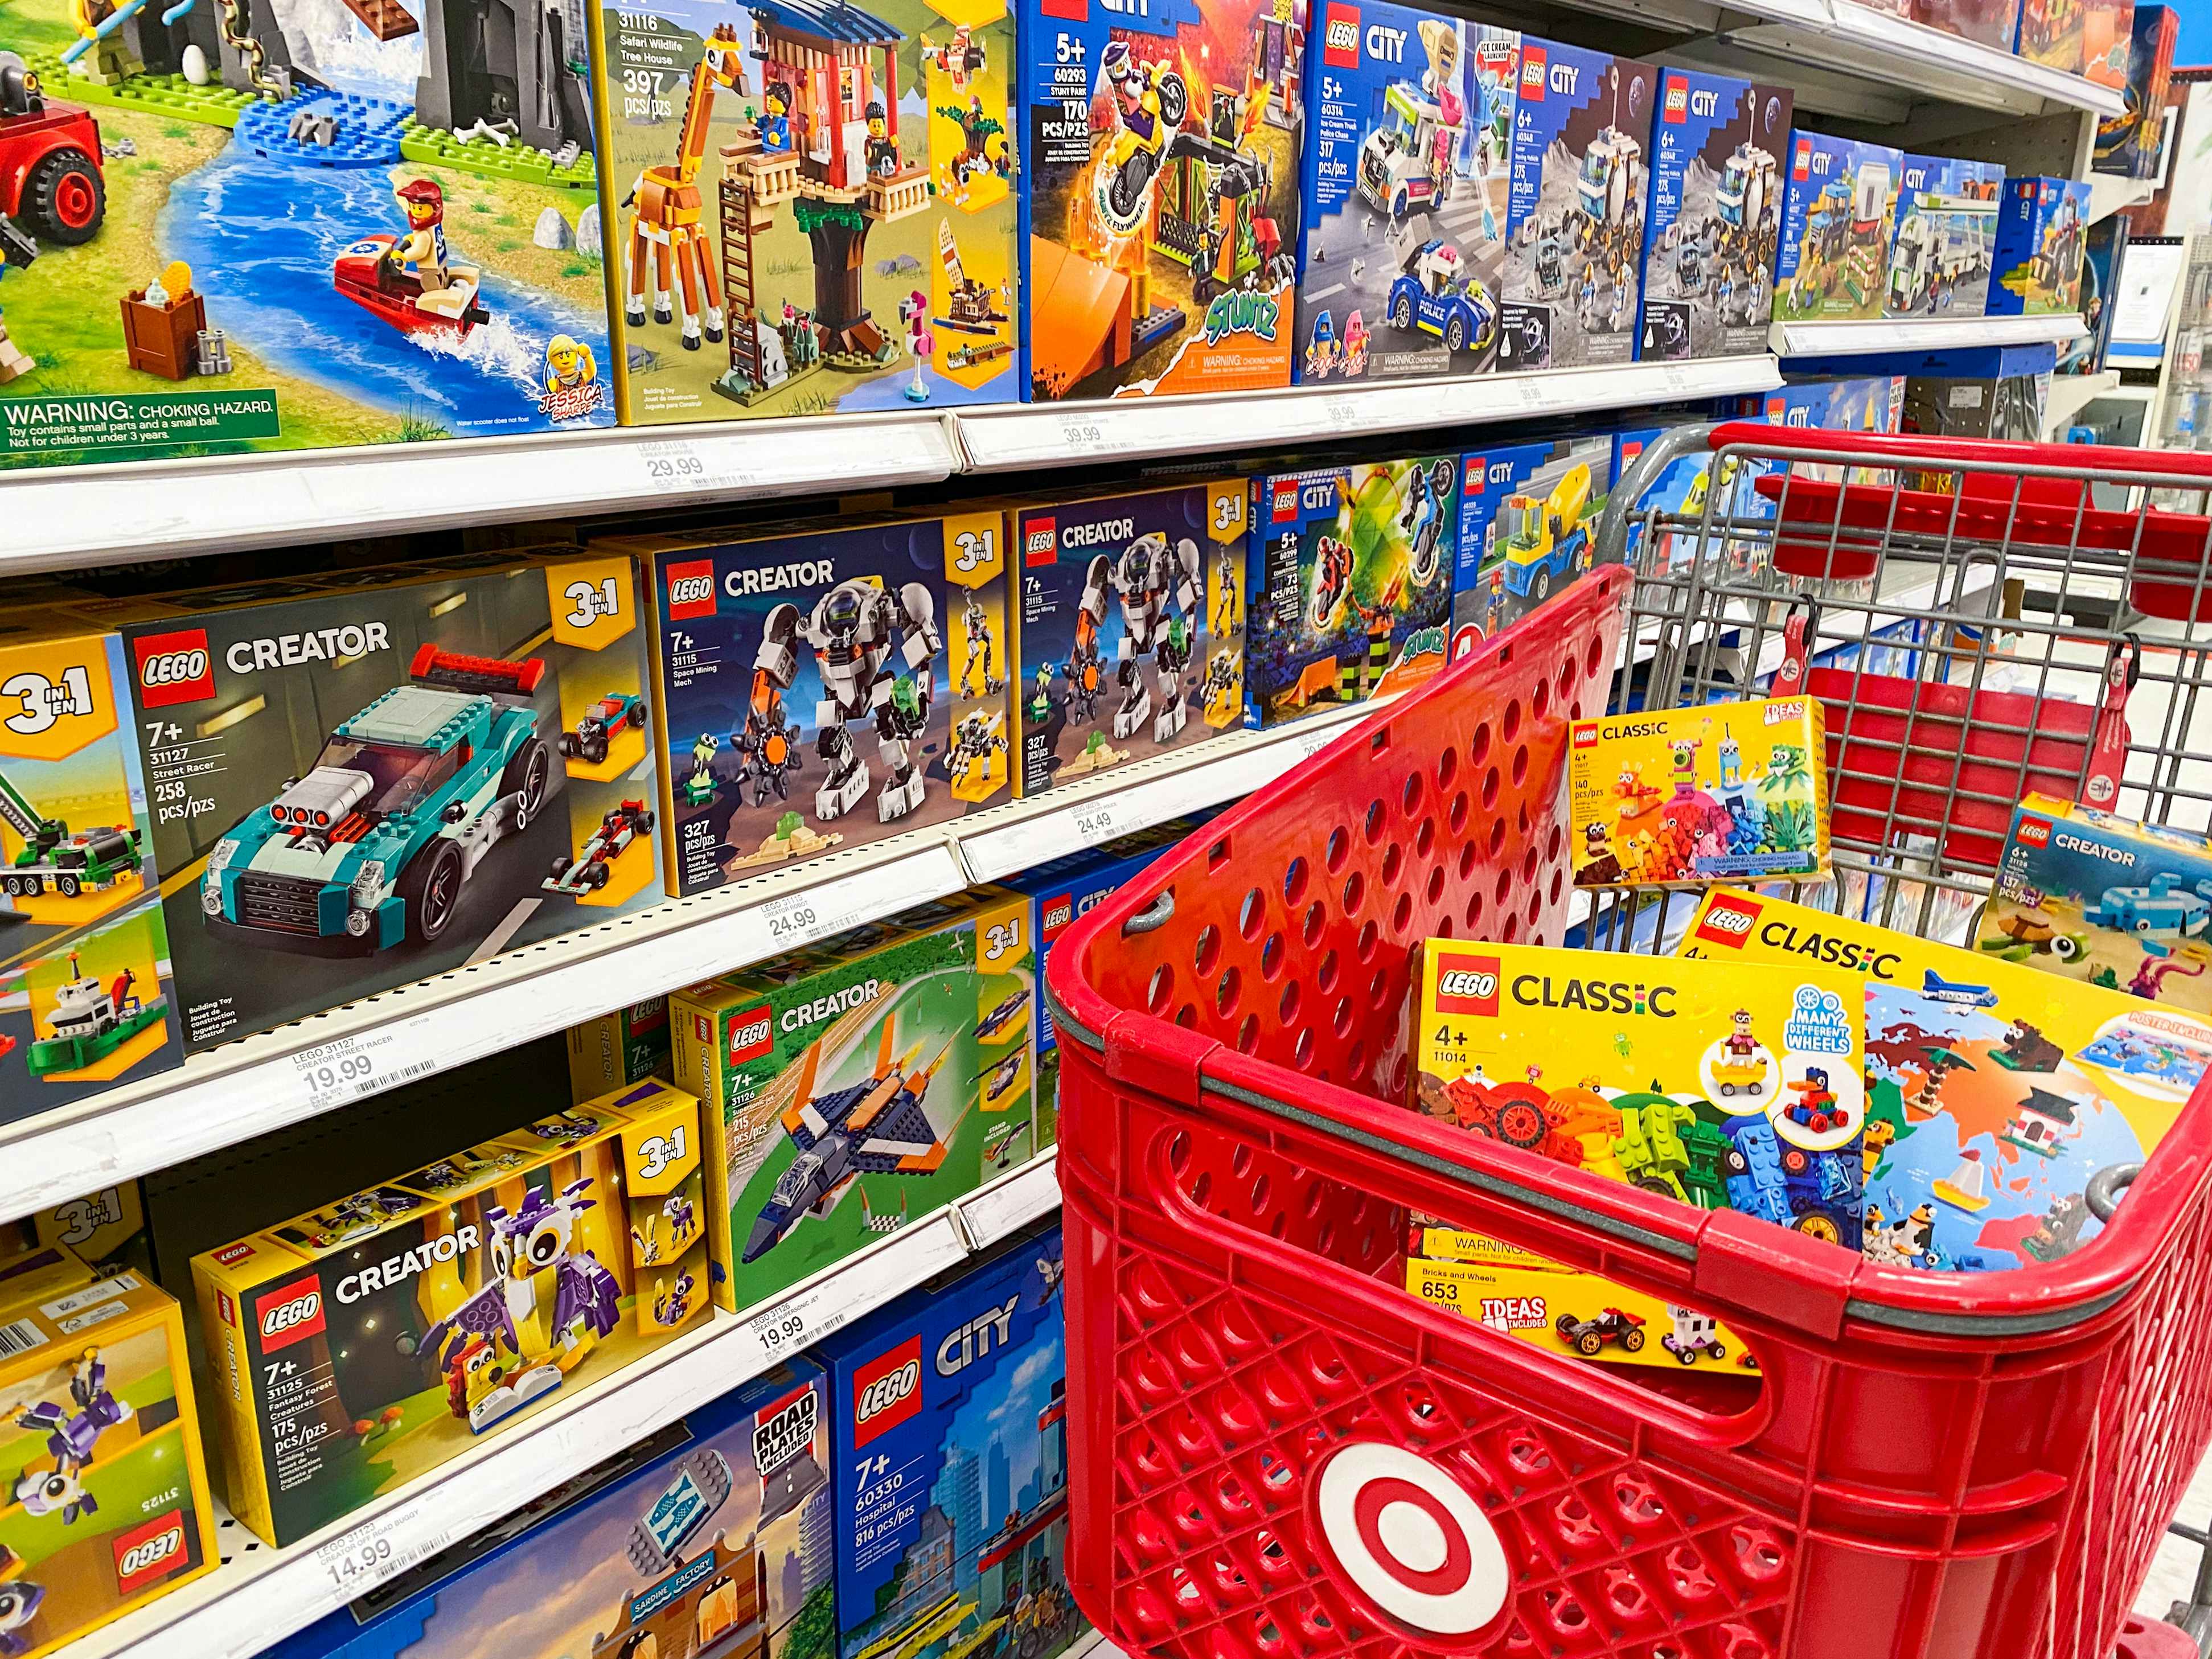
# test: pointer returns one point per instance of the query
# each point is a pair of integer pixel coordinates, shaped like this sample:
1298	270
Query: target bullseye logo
1411	1539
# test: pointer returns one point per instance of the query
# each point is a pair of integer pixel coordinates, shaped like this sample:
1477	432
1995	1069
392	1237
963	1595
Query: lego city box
1160	211
951	1466
1714	224
1575	208
2041	236
360	780
369	1340
1838	217
1129	627
100	1450
1405	176
1944	246
299	230
1994	1092
1528	522
810	205
712	1536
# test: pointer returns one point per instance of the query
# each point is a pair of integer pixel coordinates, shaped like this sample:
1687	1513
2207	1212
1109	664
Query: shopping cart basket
1277	1453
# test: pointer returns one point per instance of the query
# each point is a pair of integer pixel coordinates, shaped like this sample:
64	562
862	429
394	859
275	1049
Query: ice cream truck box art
1838	215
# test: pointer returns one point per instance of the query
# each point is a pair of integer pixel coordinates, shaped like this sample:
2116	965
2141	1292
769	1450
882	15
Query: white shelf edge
261	1594
1850	335
2072	393
2109	193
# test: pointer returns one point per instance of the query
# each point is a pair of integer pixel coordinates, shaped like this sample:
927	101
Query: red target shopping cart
1280	1455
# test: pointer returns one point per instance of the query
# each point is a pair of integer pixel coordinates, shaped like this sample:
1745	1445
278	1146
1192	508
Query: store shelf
314	1065
2072	393
260	1594
2109	194
1847	337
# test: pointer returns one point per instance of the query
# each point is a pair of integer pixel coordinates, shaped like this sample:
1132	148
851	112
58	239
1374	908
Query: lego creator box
2105	901
2130	144
1715	218
711	1537
2040	238
952	1465
1994	1092
1945	240
1745	794
1839	216
367	1342
827	687
361	784
99	1446
614	1050
1131	627
1528	518
85	996
1405	189
2052	34
332	226
809	205
1159	230
1575	207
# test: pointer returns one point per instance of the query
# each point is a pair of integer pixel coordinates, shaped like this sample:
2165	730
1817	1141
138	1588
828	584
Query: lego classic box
1944	246
371	1339
1838	215
1527	517
2041	233
337	227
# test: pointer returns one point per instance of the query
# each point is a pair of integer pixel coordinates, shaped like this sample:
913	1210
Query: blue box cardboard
1944	245
1839	211
2041	236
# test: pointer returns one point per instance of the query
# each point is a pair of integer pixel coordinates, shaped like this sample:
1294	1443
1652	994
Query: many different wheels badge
1410	1538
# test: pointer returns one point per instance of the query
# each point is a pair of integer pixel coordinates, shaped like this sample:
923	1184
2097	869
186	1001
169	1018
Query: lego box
1131	627
952	1465
1944	246
1527	517
327	226
809	206
100	1451
2041	235
2053	32
1839	216
1715	220
1990	22
1406	195
2131	144
1160	231
370	1341
1574	217
616	1050
1994	1092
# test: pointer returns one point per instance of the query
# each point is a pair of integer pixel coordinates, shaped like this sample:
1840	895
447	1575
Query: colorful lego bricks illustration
100	1451
1944	246
1995	1093
1160	231
2041	233
1405	195
1714	229
811	206
1526	511
951	1465
371	1339
1131	623
298	229
361	780
1839	216
712	1537
1574	228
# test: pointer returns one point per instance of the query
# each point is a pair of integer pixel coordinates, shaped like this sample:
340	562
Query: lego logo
2035	832
138	1558
1286	502
691	588
887	1392
174	667
1801	166
298	1312
752	1033
1678	103
230	1252
1339	40
147	1554
1040	543
1727	921
1411	1539
1468	985
1586	735
1532	73
1056	913
292	1314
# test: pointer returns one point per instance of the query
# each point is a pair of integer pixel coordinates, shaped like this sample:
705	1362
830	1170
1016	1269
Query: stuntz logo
1242	311
887	1391
1468	985
292	1314
1340	39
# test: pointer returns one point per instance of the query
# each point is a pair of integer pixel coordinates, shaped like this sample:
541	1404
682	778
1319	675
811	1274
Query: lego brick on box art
1716	217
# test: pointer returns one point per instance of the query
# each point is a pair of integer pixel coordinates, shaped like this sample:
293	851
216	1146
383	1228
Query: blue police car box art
363	779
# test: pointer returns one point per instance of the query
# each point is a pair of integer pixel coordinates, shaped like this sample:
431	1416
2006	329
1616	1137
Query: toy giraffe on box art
665	205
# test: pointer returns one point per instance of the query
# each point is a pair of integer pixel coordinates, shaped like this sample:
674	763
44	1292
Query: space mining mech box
1575	208
1130	626
1405	176
1944	246
2042	236
1996	1093
100	1451
371	1339
809	205
1838	217
712	1536
1528	525
951	1466
306	231
822	687
1160	211
1715	225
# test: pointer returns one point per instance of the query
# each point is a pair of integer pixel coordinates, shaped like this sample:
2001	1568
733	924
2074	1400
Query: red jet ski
366	274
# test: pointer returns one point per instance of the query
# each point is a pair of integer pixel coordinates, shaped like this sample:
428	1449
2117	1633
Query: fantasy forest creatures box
1160	218
1528	527
357	781
810	206
100	1451
1995	1093
1944	245
2041	235
1838	215
1406	196
951	1468
1130	626
331	226
1714	230
822	688
1574	221
367	1342
615	1049
711	1536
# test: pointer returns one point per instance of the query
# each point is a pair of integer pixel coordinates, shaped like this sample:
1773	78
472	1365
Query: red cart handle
1916	451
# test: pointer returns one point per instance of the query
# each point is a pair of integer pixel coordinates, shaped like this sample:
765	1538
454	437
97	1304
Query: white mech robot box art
1131	627
824	687
369	1340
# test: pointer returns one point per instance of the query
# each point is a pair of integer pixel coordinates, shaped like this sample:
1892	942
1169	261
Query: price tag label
354	1068
1676	378
923	1251
1086	434
1343	414
1312	743
794	921
675	467
1532	394
1096	823
1015	1202
357	1560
